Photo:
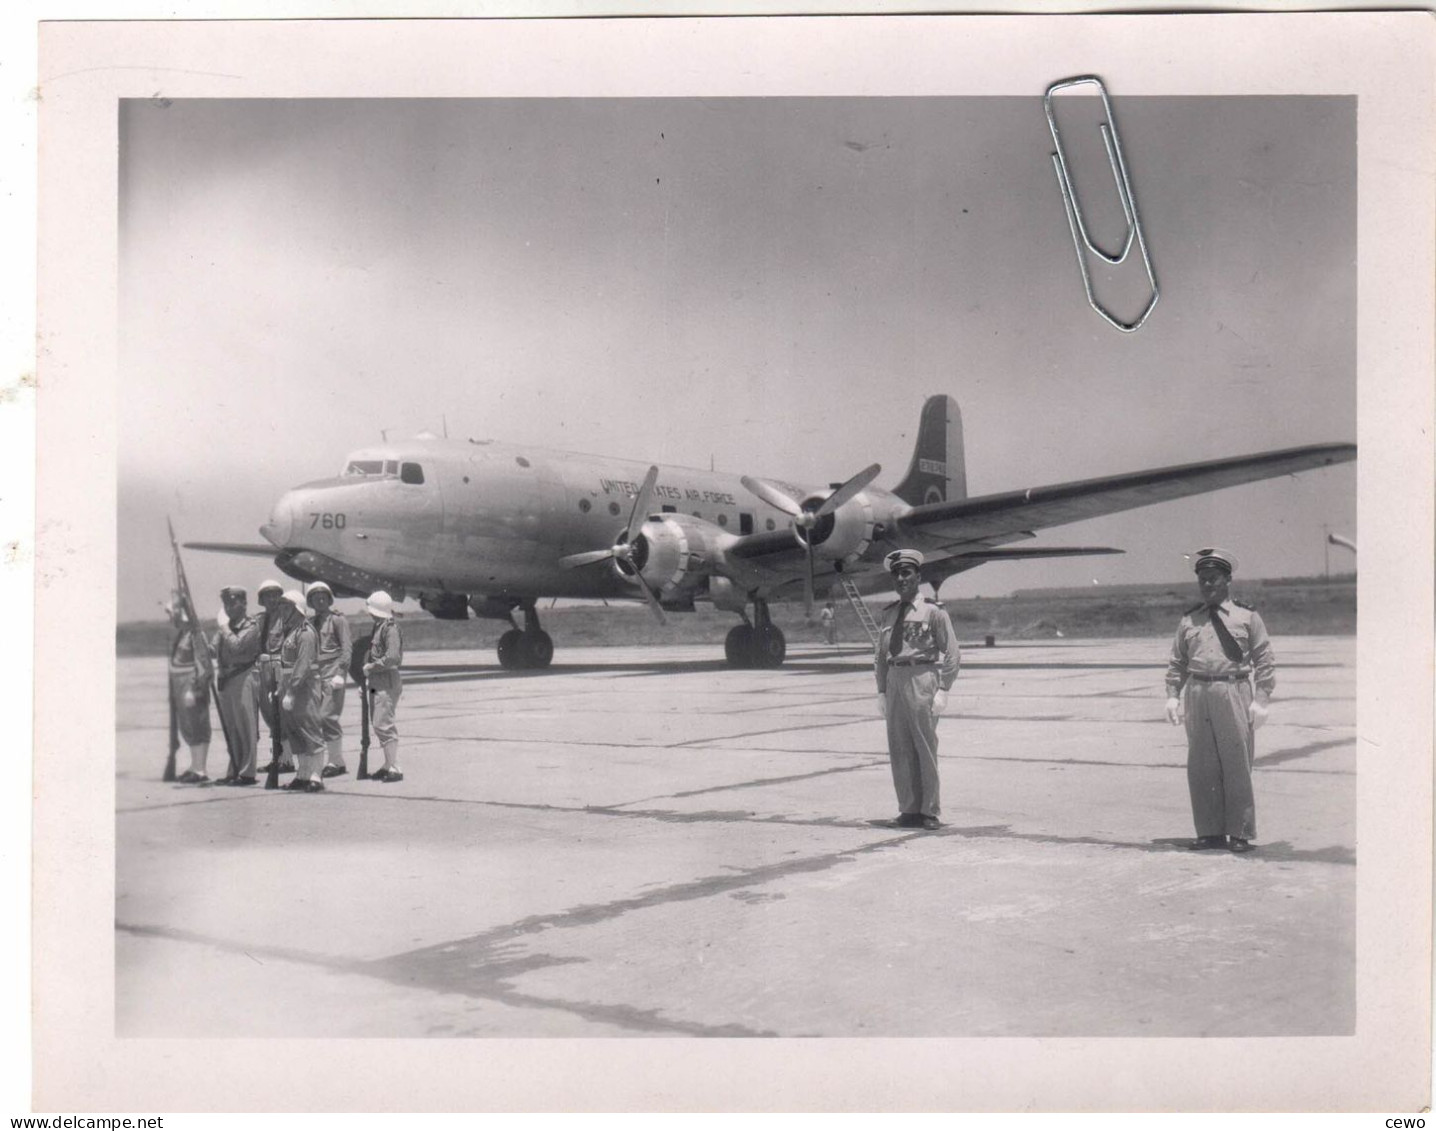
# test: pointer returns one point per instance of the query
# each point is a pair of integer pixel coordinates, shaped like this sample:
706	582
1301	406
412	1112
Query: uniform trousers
331	707
1220	747
239	710
912	737
301	722
384	691
193	720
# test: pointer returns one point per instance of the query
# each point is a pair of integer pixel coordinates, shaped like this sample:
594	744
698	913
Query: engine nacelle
843	535
673	552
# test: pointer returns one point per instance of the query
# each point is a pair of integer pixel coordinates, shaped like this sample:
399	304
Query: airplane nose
281	522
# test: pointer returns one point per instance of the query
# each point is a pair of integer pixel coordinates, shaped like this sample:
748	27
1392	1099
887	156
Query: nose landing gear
530	648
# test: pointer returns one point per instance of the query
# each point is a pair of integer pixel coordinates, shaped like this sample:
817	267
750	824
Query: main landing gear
757	645
530	648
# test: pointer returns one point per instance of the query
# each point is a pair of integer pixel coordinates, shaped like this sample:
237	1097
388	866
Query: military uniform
335	643
299	682
386	649
1218	699
925	661
237	653
271	631
189	674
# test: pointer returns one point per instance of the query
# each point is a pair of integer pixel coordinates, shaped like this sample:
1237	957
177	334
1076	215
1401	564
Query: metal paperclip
1080	238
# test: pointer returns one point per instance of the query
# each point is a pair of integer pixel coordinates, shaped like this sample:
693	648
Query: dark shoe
189	777
242	781
284	767
388	776
1238	845
334	771
224	781
909	821
1203	843
931	823
298	785
314	787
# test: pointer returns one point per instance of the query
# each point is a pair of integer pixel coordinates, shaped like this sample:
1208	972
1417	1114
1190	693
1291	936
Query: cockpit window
391	467
411	473
365	467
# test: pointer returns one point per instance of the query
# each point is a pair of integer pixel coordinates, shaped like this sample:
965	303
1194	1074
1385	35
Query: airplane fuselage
495	519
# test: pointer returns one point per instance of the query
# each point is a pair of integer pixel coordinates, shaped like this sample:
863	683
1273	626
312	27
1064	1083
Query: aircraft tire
536	648
511	650
769	647
738	646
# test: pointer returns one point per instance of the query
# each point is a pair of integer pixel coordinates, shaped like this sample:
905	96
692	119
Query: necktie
1224	636
895	641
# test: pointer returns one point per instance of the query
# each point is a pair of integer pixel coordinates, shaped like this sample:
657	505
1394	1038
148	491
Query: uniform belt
912	663
1230	677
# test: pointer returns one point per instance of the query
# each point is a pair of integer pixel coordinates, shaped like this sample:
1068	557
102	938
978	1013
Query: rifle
357	656
271	776
202	655
169	774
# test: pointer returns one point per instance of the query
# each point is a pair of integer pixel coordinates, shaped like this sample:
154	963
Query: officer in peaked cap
237	654
916	663
335	646
1219	680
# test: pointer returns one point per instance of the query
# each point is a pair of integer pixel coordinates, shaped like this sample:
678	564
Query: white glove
1257	713
287	703
189	699
882	705
337	682
370	669
1174	710
939	702
222	620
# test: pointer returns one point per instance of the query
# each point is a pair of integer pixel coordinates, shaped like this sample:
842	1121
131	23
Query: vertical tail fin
938	472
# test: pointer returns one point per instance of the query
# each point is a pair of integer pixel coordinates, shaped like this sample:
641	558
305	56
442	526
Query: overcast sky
772	284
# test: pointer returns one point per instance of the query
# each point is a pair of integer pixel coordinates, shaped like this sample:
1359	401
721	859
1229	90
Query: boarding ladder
865	616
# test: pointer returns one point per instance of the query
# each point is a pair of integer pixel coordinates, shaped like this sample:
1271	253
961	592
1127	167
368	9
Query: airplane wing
1014	514
247	549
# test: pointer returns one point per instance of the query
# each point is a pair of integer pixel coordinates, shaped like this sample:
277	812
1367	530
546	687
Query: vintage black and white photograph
871	561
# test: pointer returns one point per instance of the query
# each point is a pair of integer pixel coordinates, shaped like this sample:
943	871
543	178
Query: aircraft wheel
769	647
738	646
511	651
536	648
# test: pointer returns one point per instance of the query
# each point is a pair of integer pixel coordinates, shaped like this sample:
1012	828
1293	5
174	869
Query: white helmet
380	605
317	587
295	598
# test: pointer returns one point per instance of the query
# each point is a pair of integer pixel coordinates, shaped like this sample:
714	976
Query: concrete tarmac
642	842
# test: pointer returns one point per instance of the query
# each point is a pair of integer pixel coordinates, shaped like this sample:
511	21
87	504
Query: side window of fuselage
411	473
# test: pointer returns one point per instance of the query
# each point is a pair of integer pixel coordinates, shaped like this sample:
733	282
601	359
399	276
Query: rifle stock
271	776
169	774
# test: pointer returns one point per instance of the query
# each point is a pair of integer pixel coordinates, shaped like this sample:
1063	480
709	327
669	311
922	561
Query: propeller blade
641	504
808	584
849	489
772	496
653	604
585	558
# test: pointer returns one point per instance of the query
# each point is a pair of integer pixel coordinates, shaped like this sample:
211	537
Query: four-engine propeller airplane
494	528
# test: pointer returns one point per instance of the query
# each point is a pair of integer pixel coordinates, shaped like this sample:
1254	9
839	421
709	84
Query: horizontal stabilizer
247	549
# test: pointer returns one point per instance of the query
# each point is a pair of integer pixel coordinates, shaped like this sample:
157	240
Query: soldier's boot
390	771
198	756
